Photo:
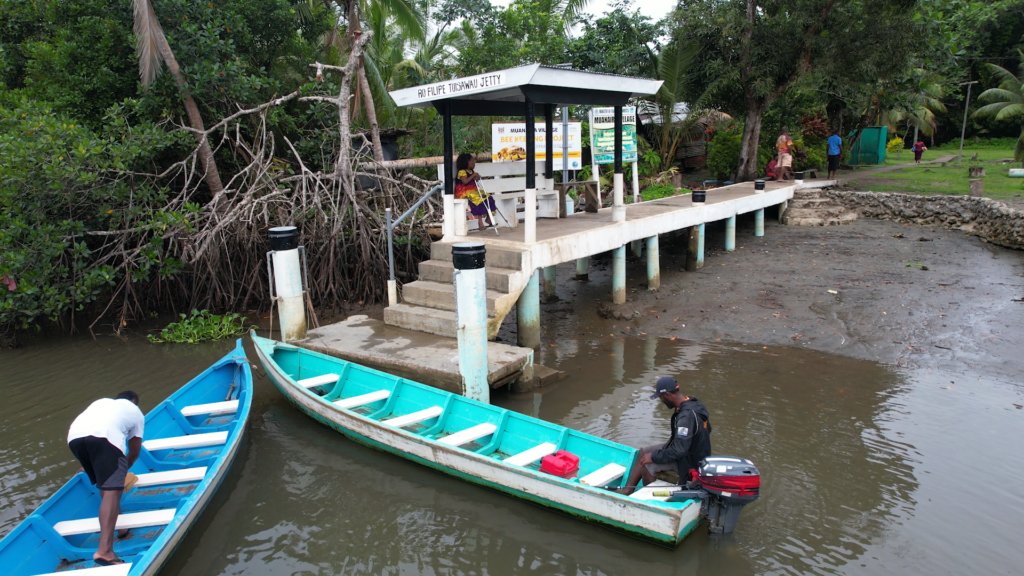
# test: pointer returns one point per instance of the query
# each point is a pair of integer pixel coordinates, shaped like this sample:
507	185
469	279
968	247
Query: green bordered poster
602	134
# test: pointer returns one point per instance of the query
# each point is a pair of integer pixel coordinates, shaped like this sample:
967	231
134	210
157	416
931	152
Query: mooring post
653	265
528	313
759	222
583	269
291	305
730	233
619	275
636	246
782	209
549	282
470	281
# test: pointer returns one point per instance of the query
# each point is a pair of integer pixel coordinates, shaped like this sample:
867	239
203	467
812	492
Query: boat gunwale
674	515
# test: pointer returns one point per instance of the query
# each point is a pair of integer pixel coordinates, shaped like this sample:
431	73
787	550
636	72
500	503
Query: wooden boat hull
666	523
36	546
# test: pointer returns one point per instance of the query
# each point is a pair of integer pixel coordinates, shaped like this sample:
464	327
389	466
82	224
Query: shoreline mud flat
896	293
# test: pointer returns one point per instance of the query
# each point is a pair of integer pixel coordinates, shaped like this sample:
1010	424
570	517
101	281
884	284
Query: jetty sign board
508	143
459	87
602	134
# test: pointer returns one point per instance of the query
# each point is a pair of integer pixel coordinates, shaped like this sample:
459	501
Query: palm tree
154	52
672	65
1007	101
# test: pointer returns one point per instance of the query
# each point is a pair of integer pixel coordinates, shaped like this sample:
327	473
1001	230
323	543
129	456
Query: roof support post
530	198
448	200
618	207
549	146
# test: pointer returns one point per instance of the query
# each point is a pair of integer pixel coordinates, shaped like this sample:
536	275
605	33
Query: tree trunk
747	169
371	112
210	172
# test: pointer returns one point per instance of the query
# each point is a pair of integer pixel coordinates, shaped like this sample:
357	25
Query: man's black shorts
102	461
833	162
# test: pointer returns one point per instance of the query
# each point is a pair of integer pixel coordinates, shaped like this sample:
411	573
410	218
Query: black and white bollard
287	282
471	318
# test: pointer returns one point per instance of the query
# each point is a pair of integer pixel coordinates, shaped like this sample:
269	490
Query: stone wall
988	219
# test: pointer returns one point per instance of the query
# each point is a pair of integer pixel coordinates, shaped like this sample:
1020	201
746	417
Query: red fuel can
561	463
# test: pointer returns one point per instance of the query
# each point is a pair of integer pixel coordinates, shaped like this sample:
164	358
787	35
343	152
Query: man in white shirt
98	438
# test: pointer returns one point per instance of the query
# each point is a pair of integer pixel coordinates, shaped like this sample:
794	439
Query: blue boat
189	444
477	442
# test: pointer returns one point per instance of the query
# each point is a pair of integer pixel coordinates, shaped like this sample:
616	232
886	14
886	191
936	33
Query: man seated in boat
97	438
689	443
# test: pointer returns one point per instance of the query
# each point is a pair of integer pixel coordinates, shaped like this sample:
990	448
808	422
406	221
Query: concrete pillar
730	233
653	264
291	303
470	281
619	275
700	246
636	182
583	269
618	207
549	282
637	247
782	209
528	313
759	223
460	224
695	250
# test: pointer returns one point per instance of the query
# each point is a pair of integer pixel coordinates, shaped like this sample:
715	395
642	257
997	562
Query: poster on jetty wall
508	143
602	134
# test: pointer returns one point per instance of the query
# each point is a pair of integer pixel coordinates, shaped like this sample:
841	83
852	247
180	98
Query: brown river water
866	468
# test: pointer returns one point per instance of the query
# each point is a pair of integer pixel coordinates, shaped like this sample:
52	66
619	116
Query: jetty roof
503	92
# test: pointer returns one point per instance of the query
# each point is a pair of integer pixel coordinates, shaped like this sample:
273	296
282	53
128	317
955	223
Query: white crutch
488	208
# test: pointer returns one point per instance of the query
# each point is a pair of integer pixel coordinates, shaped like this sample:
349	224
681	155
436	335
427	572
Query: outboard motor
724	485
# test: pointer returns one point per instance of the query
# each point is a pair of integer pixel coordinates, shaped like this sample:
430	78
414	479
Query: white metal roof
544	85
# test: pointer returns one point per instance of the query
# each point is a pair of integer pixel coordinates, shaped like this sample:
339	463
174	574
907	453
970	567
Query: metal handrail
391	227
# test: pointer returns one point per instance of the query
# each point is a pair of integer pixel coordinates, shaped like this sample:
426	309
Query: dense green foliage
201	326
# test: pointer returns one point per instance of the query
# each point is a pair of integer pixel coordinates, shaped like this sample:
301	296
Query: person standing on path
785	148
835	153
689	442
918	149
97	438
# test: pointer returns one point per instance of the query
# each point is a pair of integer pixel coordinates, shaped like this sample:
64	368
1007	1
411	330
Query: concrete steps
428	304
809	208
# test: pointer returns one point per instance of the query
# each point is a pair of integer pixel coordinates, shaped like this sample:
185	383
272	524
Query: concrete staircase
428	304
810	208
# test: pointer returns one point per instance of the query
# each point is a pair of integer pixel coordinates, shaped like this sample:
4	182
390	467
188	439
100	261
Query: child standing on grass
918	149
465	187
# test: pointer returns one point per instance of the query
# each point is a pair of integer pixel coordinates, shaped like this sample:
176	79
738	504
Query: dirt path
847	290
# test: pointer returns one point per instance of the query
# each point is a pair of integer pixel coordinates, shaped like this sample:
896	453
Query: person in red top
919	149
772	169
785	148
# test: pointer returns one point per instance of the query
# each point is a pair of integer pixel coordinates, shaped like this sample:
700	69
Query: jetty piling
287	287
619	275
528	314
759	222
730	233
470	284
653	265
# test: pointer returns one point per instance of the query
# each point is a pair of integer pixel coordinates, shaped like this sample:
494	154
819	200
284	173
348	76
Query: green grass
953	179
987	150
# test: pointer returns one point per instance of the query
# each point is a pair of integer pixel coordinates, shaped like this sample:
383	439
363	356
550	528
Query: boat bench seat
527	457
363	399
229	407
124	521
318	380
415	417
171	477
190	441
115	570
604	475
468	435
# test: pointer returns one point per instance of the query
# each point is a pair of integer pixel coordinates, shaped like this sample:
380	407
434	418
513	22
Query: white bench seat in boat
468	435
190	441
527	457
647	492
318	380
415	417
115	570
363	399
229	407
604	475
124	521
171	477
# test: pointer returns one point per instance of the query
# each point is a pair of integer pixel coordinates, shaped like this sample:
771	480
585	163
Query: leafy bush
658	191
200	327
724	153
894	145
814	127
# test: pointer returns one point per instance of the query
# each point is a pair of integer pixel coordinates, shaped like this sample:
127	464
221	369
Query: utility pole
963	129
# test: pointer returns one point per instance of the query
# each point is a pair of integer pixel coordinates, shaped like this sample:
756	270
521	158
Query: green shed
870	148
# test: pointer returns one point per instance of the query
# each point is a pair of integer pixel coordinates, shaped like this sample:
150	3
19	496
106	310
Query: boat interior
455	421
184	441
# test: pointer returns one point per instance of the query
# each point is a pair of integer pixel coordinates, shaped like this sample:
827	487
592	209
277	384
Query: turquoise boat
477	442
190	441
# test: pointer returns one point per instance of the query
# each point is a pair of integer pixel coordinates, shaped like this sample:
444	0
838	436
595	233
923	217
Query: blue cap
665	384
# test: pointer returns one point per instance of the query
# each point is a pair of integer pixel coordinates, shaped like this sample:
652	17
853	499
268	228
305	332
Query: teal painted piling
619	275
528	313
549	282
759	223
583	269
700	246
653	264
730	234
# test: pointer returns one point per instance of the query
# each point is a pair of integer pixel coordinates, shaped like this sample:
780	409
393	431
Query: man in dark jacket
689	443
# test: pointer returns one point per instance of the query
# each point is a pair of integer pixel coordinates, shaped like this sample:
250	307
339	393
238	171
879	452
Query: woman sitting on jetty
480	204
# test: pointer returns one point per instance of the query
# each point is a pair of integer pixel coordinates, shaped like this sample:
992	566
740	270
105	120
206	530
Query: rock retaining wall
988	219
